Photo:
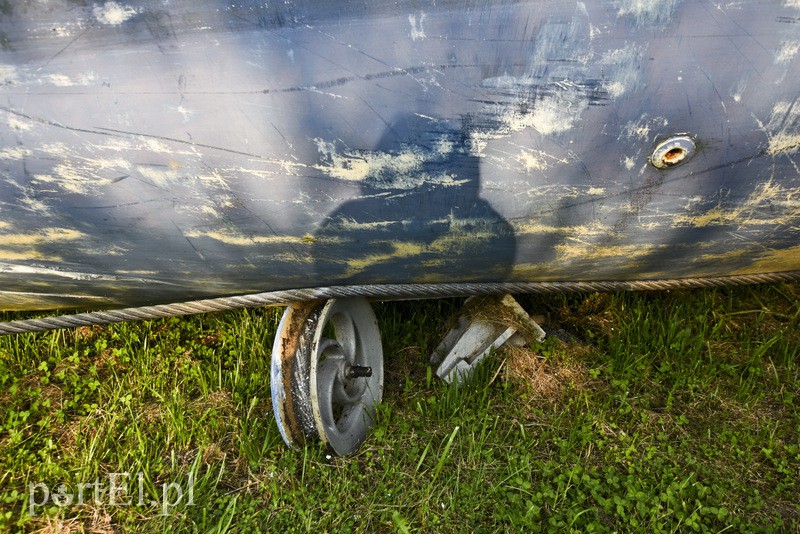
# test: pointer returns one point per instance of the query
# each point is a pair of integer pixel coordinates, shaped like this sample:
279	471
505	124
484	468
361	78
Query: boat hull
154	153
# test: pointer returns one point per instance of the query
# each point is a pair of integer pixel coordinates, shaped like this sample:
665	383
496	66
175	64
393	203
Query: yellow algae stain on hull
455	243
23	301
733	256
523	227
400	250
240	240
770	204
26	246
591	261
43	236
774	261
784	138
591	252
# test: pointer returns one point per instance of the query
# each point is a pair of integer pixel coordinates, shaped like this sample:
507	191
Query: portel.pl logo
114	491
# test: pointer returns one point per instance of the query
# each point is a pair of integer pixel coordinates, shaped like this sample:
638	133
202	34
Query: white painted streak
16	123
17	153
214	179
537	160
783	129
70	275
622	69
642	128
787	52
402	170
552	114
417	32
628	162
737	91
159	176
8	74
61	31
113	13
185	113
60	80
241	240
656	13
155	145
353	225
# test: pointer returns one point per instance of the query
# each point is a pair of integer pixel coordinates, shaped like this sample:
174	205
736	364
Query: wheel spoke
346	336
326	389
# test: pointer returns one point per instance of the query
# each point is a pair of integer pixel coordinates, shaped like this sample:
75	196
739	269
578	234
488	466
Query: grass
655	412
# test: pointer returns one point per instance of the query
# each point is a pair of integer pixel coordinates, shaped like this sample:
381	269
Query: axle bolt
357	371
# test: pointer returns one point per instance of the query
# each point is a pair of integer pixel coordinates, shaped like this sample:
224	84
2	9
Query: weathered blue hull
155	152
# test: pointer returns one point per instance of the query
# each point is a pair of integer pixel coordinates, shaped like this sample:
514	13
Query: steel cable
377	292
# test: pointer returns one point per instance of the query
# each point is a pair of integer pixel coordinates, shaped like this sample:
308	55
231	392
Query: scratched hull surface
153	152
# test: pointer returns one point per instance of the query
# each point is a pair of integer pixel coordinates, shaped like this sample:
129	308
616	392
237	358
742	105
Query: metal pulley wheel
327	373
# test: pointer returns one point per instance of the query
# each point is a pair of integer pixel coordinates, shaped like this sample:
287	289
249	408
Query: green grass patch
658	412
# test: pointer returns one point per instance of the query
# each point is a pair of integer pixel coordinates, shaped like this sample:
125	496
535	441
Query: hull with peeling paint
157	152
